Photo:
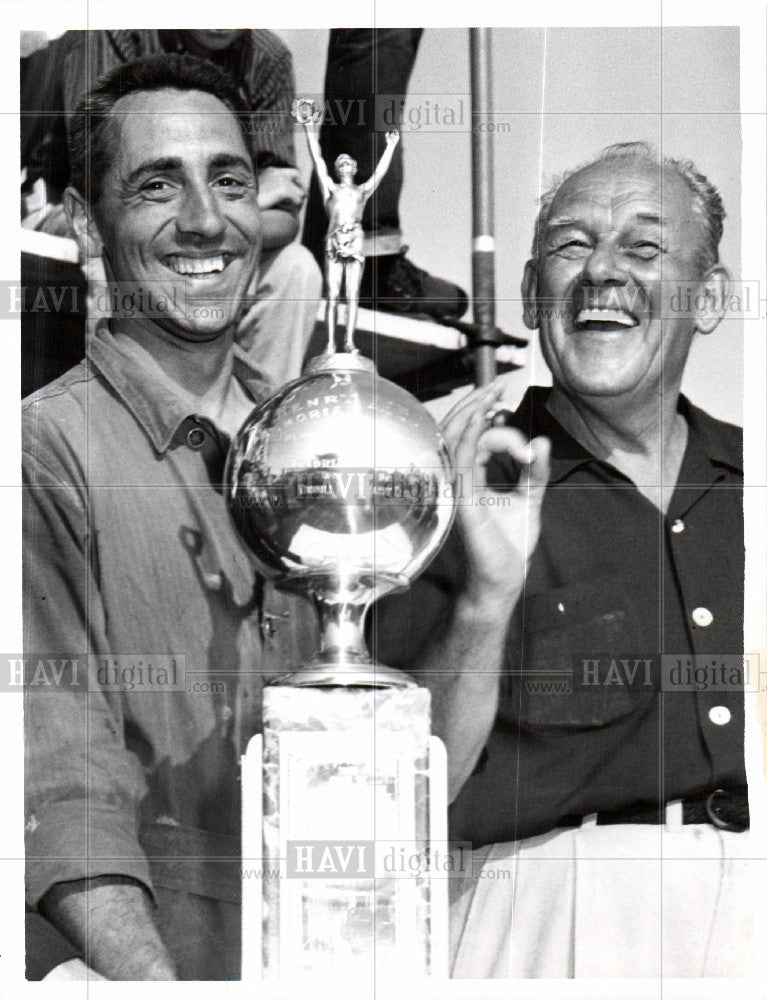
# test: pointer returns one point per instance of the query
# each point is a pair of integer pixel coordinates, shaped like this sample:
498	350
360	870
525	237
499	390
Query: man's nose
200	213
605	265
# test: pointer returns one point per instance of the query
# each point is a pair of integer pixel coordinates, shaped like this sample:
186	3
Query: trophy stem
343	659
342	639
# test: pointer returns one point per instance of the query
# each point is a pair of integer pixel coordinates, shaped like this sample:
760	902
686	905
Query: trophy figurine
341	487
344	204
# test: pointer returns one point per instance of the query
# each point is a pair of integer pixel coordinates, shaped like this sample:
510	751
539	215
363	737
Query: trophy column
346	825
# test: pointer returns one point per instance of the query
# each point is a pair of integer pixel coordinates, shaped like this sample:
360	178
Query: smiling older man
129	555
605	799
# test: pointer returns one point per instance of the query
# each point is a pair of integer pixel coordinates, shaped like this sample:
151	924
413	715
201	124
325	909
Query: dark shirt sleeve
45	947
272	89
82	785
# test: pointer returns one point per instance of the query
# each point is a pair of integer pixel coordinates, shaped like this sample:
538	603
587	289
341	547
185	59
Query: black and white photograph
386	505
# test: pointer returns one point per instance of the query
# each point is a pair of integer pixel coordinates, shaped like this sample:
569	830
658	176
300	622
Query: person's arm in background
453	641
81	782
281	194
281	191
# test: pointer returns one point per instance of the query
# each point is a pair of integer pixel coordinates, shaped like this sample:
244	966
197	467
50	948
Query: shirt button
677	526
702	617
720	715
195	438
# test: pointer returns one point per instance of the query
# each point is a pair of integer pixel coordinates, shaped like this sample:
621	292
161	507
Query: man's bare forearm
462	672
110	920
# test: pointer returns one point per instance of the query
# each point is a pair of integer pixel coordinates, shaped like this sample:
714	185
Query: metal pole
483	241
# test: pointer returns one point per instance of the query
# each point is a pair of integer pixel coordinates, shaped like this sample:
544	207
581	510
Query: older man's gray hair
706	198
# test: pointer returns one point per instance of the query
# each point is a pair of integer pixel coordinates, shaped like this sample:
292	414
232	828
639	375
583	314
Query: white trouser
627	901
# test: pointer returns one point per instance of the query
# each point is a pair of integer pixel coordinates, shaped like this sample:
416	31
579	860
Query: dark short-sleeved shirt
259	64
591	718
129	555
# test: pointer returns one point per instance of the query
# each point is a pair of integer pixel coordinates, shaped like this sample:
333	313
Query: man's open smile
199	266
604	320
605	310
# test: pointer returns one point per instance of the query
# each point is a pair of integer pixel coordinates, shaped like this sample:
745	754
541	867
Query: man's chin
197	333
599	378
600	386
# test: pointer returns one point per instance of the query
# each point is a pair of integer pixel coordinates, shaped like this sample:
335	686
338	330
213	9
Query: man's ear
711	299
83	223
530	295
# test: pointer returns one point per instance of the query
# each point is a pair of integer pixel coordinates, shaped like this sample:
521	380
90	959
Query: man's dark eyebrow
161	165
224	160
165	164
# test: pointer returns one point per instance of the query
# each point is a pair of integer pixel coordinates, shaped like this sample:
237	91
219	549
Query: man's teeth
605	316
193	265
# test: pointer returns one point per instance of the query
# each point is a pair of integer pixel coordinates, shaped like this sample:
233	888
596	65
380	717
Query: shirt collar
722	443
159	411
717	441
534	418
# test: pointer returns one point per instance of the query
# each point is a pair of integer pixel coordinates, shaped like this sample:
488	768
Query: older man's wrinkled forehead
615	192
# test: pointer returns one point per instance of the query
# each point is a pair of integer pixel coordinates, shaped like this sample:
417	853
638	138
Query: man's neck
645	443
201	373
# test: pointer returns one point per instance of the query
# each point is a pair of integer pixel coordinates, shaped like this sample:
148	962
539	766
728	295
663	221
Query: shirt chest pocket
581	664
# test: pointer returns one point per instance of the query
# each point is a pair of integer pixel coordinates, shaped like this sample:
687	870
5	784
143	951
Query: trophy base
328	670
340	361
346	774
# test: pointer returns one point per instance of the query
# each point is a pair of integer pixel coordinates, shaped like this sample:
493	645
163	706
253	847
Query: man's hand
462	666
392	138
500	530
75	970
281	188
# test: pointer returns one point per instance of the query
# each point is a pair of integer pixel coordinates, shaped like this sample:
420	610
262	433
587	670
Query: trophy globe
341	486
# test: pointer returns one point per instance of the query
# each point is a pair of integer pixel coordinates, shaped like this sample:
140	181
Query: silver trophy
341	486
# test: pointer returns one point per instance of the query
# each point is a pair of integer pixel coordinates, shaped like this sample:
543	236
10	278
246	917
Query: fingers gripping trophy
344	203
341	486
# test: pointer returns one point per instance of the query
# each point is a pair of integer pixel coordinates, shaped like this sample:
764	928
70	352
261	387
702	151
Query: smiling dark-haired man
285	293
605	800
132	801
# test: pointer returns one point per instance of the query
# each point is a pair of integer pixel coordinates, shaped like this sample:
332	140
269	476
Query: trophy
341	487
